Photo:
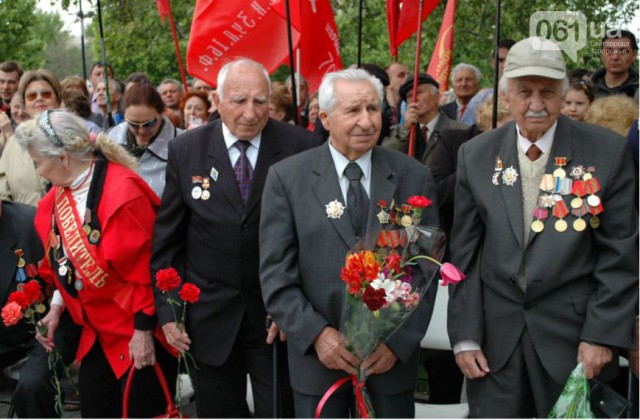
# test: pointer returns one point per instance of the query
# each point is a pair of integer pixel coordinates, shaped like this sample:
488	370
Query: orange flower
11	314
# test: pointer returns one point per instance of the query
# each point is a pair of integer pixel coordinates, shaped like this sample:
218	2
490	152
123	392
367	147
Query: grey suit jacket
581	286
302	252
399	137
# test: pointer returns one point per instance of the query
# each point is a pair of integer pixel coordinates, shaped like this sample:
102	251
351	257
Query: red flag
163	8
393	12
440	65
319	45
405	21
223	30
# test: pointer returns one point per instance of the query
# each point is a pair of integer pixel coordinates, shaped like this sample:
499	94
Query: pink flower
450	274
11	314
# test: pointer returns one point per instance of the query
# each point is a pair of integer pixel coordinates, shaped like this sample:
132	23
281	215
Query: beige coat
19	180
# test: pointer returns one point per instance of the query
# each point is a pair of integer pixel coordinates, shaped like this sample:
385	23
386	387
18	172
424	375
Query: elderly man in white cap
546	229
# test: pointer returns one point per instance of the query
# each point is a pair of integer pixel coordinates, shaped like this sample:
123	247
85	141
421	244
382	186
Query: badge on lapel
334	209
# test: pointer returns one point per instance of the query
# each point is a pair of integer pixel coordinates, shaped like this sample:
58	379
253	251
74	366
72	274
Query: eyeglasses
147	124
44	94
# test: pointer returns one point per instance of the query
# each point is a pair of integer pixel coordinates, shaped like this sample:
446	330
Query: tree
136	39
19	39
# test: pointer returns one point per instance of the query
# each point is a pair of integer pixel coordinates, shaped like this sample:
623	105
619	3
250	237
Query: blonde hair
73	137
484	113
615	112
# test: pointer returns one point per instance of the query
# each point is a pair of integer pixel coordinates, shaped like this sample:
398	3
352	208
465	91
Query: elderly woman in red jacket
96	225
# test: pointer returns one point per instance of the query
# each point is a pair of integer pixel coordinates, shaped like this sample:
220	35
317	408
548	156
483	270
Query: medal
537	226
196	193
560	173
205	183
40	308
214	173
594	222
94	236
561	225
87	229
498	166
579	225
406	220
593	200
78	285
576	203
383	217
205	195
62	270
547	183
577	172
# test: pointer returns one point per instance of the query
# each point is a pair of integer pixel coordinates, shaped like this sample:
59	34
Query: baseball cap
423	78
535	56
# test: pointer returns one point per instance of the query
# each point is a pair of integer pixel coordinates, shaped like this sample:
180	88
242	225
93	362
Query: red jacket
127	213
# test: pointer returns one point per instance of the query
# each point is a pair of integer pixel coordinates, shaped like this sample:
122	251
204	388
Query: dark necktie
424	130
243	169
534	153
357	200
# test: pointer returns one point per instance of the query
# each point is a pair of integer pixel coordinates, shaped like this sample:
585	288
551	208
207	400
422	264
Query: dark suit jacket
302	252
451	110
16	233
399	138
444	160
581	286
214	242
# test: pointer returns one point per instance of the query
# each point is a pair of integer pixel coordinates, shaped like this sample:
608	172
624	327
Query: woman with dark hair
146	133
96	226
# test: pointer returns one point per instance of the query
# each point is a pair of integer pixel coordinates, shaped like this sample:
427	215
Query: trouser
34	396
101	393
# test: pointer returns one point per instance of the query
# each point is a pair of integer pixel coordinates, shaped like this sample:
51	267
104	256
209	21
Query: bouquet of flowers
168	280
27	303
385	285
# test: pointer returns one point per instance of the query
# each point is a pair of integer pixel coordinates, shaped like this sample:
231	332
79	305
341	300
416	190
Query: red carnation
167	279
418	201
382	203
374	298
20	298
189	292
33	292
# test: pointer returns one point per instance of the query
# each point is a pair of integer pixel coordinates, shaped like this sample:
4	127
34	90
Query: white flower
509	176
389	287
335	209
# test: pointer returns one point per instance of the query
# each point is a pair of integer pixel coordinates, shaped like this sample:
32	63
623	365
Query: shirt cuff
144	322
56	298
465	345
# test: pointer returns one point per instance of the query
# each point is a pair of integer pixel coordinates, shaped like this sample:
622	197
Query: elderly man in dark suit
423	112
302	249
207	228
546	229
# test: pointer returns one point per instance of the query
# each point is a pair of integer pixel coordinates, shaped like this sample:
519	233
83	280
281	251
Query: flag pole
496	68
104	59
416	70
177	47
294	93
359	34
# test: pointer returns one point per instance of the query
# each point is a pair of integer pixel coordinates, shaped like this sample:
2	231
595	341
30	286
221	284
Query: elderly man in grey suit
302	250
546	229
423	112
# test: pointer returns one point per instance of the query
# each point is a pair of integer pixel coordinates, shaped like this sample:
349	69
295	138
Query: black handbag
607	403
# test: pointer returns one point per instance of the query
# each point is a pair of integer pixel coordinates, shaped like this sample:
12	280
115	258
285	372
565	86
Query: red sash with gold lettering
83	255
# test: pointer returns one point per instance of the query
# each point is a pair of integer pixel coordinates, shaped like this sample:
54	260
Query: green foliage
19	39
137	40
474	29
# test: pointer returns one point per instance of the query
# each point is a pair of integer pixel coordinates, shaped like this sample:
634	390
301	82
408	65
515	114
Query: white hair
326	94
224	72
465	66
172	81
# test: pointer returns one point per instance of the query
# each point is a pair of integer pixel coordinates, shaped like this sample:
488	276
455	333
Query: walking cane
276	376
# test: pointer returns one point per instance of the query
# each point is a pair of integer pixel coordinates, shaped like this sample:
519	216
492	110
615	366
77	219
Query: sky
72	23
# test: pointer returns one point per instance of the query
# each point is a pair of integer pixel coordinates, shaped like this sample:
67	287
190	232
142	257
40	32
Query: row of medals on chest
581	183
93	236
200	192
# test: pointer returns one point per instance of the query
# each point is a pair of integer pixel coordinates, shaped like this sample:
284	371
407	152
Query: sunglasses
45	94
147	124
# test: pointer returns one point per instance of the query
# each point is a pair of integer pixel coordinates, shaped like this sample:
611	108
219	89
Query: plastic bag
573	402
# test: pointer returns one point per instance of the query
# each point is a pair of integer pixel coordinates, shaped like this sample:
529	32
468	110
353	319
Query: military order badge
509	176
334	209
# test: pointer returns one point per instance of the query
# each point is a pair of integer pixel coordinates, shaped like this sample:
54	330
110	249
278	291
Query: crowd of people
106	182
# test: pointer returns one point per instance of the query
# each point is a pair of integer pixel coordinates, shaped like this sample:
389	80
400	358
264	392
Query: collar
341	162
230	139
431	125
544	143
